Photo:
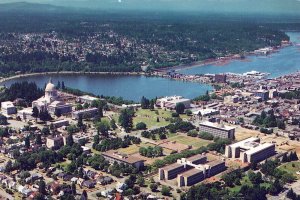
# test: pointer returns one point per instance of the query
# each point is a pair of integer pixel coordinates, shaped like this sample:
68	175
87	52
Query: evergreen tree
69	140
58	85
35	112
100	111
63	85
27	142
180	108
42	187
74	189
38	139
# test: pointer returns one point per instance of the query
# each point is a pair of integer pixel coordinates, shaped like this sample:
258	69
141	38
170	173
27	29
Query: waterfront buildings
217	129
8	108
171	102
87	99
250	150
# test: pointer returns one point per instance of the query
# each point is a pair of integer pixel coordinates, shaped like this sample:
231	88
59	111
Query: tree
73	188
57	112
103	128
27	142
84	195
78	107
38	139
8	166
165	190
86	105
42	187
113	124
140	181
63	85
141	126
153	187
35	113
69	140
188	112
58	86
291	194
100	111
180	108
44	115
145	103
80	121
125	119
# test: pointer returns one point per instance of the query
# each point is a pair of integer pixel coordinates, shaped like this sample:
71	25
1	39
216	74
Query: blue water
128	87
286	61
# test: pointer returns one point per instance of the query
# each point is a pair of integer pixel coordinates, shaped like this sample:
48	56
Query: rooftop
217	125
122	157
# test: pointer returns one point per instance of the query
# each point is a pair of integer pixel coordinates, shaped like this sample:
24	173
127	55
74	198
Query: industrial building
190	171
217	129
250	150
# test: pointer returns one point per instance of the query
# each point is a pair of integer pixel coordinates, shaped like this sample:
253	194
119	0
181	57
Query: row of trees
114	143
151	152
268	120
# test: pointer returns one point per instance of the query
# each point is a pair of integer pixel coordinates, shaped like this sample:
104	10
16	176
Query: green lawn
187	140
245	181
291	167
150	117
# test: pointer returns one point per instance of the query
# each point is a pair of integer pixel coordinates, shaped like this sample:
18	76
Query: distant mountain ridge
30	7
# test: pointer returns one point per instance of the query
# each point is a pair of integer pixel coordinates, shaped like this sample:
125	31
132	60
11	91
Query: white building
25	114
87	99
250	150
8	108
52	101
171	102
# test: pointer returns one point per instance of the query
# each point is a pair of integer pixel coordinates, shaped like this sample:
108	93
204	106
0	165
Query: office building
217	129
250	150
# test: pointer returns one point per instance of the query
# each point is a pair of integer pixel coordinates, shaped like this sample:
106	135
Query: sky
240	6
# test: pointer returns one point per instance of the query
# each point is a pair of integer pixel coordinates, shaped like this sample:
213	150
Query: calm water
128	87
286	61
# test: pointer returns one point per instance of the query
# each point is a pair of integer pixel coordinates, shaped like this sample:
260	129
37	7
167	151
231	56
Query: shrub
141	126
206	136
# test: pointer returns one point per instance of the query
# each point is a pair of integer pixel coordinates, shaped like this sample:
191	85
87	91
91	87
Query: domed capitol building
52	101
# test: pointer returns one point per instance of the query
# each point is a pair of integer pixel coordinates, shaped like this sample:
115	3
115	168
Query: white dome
50	87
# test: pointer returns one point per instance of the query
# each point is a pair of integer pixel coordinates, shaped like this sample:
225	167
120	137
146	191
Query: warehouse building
8	108
217	129
250	150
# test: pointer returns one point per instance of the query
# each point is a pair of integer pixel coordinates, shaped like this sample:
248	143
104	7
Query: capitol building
52	101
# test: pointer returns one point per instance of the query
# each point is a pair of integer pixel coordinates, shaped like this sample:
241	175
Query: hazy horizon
277	7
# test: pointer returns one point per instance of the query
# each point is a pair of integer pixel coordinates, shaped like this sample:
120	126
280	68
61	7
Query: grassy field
187	140
243	133
150	117
245	181
291	167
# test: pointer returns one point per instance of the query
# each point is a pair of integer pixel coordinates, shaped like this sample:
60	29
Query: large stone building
114	156
52	101
250	150
217	129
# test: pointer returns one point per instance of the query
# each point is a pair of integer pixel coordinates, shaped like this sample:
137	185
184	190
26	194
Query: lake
128	87
286	61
